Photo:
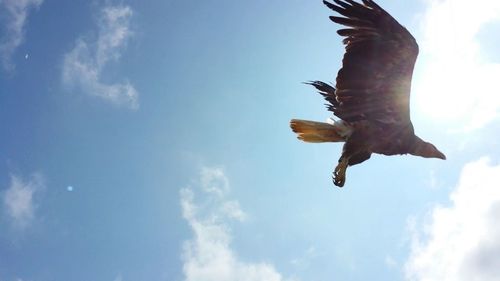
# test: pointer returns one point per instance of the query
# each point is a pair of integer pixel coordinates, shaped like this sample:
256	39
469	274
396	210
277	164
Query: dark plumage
372	91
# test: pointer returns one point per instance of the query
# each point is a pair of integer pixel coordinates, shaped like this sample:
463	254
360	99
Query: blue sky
150	141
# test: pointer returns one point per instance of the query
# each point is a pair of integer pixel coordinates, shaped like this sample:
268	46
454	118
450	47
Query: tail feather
311	131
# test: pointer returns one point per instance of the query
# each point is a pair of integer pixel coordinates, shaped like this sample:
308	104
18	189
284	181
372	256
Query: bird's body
372	91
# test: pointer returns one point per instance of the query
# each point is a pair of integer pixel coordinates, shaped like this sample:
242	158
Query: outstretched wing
375	79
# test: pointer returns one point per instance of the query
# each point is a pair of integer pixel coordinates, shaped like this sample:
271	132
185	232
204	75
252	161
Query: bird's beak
440	155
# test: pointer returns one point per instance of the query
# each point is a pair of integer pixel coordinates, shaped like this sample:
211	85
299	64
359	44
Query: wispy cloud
305	260
15	16
460	242
458	83
208	256
18	199
83	66
390	262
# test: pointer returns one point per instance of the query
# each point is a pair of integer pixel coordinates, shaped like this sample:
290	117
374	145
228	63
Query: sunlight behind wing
437	93
454	82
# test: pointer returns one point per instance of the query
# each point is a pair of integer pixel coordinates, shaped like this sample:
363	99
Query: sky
151	141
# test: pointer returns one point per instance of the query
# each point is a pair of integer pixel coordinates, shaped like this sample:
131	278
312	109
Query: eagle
371	98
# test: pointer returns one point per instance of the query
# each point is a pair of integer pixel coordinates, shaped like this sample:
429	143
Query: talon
339	173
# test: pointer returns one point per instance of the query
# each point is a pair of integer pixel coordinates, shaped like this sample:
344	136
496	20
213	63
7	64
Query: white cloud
460	242
214	181
83	66
18	199
16	14
208	255
457	83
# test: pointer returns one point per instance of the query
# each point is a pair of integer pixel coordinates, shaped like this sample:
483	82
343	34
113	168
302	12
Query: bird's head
426	149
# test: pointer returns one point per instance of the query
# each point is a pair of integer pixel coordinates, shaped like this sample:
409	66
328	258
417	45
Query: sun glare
453	82
461	94
438	94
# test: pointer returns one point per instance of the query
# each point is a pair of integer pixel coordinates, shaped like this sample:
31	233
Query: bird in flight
372	92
